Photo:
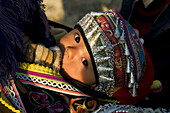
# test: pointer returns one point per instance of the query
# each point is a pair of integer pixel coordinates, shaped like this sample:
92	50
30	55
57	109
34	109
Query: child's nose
72	52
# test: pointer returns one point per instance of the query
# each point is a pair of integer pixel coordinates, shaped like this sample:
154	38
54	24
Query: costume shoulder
16	16
127	9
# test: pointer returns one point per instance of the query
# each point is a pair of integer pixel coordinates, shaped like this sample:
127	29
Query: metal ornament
134	92
132	80
127	52
128	68
98	49
101	52
117	33
122	38
101	59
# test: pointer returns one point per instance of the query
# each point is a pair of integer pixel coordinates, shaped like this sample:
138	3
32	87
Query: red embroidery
118	64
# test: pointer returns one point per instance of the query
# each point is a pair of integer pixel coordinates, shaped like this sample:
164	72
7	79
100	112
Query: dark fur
16	16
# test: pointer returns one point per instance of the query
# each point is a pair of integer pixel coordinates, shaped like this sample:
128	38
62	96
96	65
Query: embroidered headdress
116	52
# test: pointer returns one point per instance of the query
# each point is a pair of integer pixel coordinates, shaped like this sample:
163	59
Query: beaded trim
9	106
46	82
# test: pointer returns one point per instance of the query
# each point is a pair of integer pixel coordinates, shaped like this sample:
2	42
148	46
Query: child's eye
84	61
77	38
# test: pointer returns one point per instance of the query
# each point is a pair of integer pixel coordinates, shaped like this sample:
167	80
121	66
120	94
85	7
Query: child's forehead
76	31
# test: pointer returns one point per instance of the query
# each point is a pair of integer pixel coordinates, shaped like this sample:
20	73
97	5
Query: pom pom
156	87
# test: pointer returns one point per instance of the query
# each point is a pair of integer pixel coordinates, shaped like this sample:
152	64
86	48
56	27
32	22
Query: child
102	54
83	48
117	55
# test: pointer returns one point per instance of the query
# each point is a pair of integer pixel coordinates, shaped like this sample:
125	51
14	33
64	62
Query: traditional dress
34	85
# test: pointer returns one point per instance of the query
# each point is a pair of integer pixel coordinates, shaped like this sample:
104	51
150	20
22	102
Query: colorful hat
116	52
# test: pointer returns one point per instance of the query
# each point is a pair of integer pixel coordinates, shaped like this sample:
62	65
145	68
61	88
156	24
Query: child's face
76	59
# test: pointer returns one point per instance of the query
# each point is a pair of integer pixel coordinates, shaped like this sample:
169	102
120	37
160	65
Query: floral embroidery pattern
44	101
83	105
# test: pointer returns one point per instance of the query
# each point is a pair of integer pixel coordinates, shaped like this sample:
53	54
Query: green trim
11	96
4	98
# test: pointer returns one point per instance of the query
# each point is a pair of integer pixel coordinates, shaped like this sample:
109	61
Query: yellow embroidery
39	68
109	100
118	63
116	54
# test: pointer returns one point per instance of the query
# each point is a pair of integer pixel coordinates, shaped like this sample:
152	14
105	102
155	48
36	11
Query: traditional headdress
116	52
